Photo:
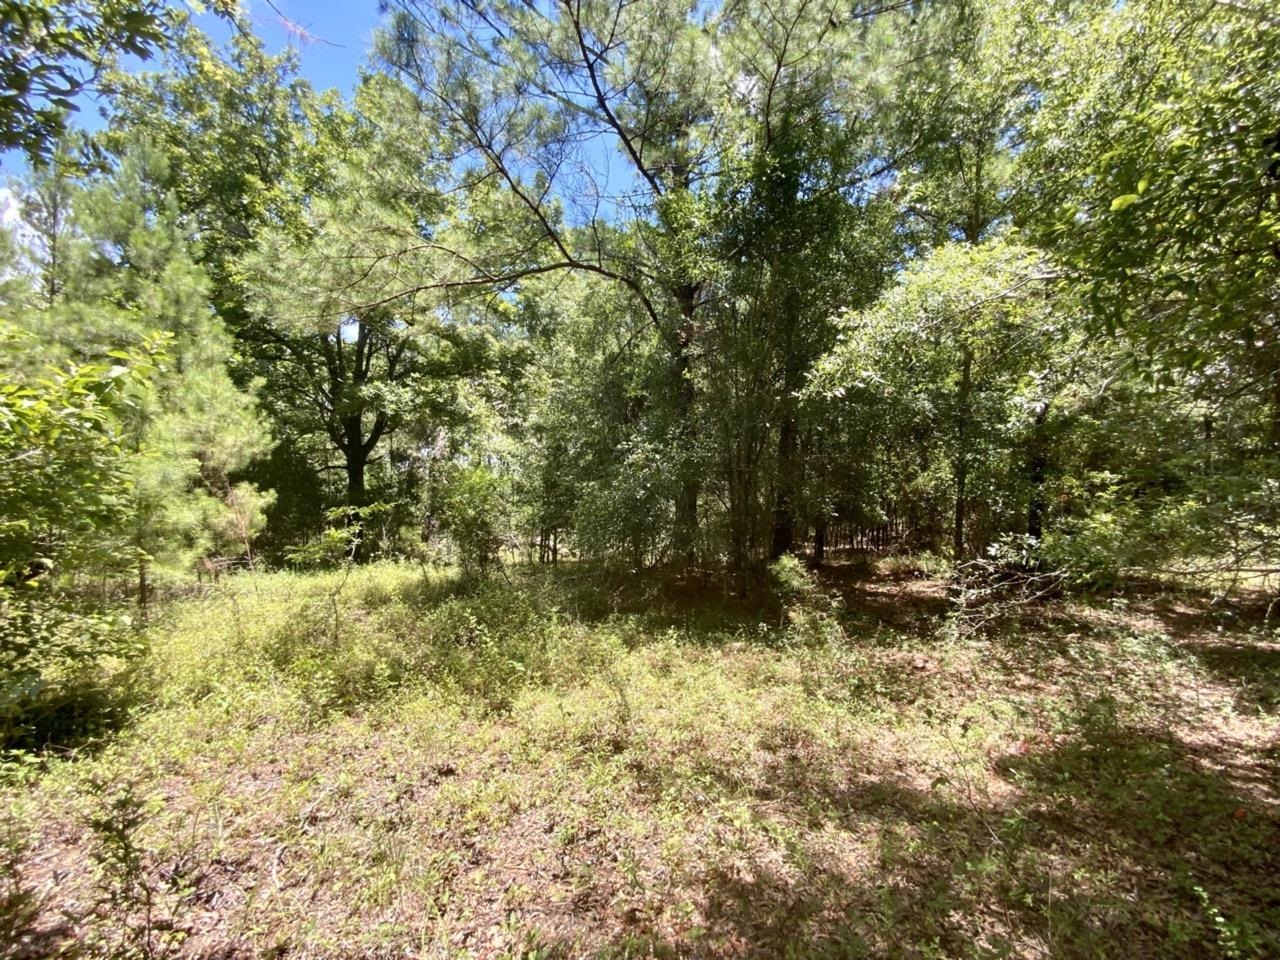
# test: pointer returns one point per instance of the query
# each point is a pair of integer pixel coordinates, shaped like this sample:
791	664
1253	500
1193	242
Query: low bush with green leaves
68	670
475	515
811	612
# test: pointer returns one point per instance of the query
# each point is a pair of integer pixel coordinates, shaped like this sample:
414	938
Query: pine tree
127	277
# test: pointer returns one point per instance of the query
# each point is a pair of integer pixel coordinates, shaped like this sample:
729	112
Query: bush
343	541
64	672
63	484
475	515
811	613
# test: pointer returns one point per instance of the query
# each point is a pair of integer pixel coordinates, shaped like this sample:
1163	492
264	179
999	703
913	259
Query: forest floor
382	765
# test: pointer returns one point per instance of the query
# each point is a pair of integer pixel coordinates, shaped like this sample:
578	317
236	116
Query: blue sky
332	37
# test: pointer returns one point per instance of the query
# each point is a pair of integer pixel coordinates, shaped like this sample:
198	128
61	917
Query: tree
232	127
125	277
340	357
473	512
591	465
535	100
296	195
64	484
1151	170
954	357
230	123
51	51
725	169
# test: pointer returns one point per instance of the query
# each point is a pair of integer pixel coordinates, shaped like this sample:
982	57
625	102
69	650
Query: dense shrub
475	516
811	613
65	672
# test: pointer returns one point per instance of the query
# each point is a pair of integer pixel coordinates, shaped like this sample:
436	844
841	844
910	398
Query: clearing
384	764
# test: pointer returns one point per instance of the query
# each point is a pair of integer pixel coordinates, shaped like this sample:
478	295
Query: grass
389	765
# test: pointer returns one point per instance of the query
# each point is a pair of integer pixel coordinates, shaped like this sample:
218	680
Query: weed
132	897
19	902
526	771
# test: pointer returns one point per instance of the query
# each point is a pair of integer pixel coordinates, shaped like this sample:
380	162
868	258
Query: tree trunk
1037	469
686	501
357	497
820	543
144	591
1275	408
962	455
783	522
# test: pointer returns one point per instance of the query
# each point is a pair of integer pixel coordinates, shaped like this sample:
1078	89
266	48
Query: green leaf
1124	200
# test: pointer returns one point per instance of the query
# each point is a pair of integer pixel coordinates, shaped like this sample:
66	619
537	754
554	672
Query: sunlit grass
390	761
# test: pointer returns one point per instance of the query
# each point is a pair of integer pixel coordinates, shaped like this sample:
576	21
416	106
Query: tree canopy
698	285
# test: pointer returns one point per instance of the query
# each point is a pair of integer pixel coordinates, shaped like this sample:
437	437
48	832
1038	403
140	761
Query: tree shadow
1211	634
1252	671
701	604
1115	840
1227	641
79	716
705	605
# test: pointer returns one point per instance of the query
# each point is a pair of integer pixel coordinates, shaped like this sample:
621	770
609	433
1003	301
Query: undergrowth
383	762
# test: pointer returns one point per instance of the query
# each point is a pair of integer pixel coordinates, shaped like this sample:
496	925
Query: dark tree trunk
1037	470
144	591
686	501
820	543
783	522
357	497
962	455
1275	409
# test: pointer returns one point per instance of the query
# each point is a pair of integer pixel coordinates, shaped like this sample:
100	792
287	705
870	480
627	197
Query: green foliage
734	311
339	543
64	487
52	50
114	264
1156	142
856	289
961	364
66	498
66	669
475	513
925	279
810	611
792	581
19	902
131	891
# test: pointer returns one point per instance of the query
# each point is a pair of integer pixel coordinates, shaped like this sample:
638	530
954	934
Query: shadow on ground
1116	842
